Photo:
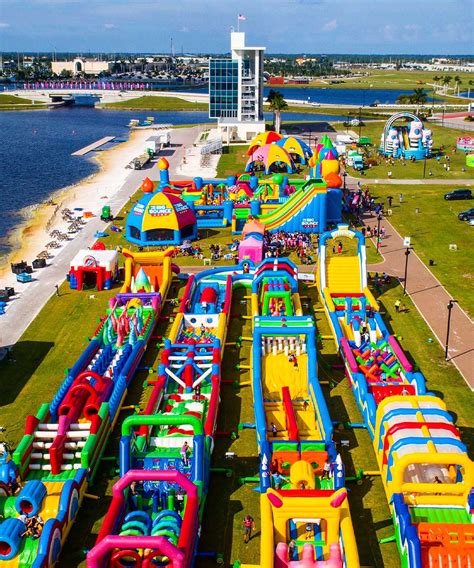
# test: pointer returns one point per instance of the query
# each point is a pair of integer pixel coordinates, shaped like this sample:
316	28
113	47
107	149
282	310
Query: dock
93	146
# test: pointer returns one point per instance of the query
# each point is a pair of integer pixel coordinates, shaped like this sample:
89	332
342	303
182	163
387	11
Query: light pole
379	219
344	175
424	166
450	307
407	254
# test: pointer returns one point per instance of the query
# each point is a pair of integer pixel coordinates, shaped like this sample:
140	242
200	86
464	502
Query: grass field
156	103
432	230
10	102
58	335
414	170
391	79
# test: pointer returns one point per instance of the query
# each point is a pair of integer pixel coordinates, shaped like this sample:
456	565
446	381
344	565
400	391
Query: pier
93	146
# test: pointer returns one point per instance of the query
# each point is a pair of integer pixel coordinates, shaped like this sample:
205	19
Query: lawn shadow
18	366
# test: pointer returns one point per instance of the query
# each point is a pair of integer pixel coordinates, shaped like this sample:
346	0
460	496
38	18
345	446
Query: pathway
34	296
427	181
431	300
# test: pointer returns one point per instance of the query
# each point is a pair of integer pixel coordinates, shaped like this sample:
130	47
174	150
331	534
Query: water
36	148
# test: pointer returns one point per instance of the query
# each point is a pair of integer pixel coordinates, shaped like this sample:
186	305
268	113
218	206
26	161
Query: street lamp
344	175
450	307
407	254
379	219
424	165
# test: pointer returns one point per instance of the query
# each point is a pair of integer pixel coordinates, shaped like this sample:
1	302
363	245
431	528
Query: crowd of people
283	243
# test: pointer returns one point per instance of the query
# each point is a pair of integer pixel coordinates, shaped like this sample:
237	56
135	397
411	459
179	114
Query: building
82	65
236	90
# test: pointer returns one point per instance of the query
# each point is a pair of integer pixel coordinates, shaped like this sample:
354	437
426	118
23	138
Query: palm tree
458	82
446	80
277	104
436	79
419	96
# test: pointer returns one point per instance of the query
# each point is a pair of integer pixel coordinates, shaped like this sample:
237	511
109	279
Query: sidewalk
34	296
431	300
427	181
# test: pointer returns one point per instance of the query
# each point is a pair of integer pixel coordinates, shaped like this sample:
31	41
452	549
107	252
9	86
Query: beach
90	195
112	185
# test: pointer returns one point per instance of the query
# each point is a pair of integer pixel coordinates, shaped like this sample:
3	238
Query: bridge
99	95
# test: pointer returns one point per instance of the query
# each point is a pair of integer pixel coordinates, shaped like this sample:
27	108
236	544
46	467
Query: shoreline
32	233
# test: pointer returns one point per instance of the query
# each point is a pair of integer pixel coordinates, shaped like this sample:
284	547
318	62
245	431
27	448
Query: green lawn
58	335
157	103
414	170
390	79
11	102
432	230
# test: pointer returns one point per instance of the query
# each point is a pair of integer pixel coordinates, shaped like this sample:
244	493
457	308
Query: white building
236	90
82	65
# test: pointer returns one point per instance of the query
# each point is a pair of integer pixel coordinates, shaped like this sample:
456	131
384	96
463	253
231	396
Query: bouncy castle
411	141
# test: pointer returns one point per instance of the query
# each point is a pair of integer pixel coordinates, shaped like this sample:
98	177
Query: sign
139	209
181	207
159	210
406	241
306	276
342	233
309	223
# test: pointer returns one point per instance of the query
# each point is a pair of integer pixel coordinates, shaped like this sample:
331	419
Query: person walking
249	525
397	305
184	454
57	291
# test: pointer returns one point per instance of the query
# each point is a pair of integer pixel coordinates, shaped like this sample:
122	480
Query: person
291	549
24	519
36	526
339	247
273	429
309	534
277	479
400	198
274	466
57	290
179	498
390	199
13	486
203	329
302	486
184	454
437	479
295	363
305	405
204	306
197	392
249	525
397	305
389	174
326	470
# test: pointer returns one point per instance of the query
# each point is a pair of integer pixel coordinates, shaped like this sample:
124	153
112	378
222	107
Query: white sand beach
112	186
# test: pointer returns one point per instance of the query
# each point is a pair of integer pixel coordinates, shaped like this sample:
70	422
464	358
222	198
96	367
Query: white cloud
4	25
184	30
330	26
389	32
110	26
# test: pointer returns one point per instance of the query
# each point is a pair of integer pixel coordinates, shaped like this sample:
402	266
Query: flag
241	17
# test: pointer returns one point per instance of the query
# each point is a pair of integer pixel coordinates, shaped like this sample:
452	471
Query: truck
158	141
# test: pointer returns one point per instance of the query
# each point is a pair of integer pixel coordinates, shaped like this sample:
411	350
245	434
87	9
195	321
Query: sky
202	26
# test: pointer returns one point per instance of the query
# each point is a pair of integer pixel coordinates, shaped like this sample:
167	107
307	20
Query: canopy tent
253	227
296	147
251	248
269	155
160	218
262	139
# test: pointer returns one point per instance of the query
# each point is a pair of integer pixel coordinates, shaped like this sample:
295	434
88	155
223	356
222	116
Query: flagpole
238	23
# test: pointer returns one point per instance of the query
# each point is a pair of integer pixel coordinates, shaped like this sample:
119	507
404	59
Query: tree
458	82
277	105
419	97
446	80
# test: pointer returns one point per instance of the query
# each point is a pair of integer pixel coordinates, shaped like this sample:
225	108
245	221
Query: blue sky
285	26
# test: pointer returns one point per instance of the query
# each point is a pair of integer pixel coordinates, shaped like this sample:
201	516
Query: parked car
458	194
466	215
